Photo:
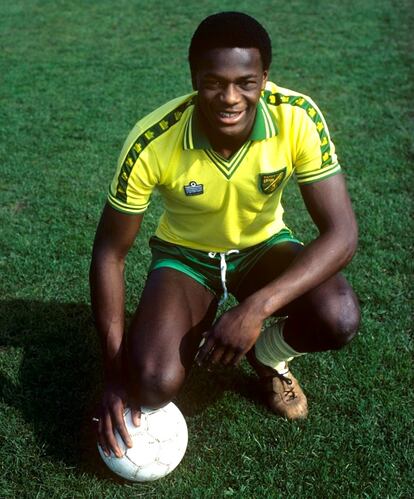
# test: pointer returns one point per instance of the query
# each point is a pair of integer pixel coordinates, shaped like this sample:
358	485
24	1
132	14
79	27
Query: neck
226	145
226	149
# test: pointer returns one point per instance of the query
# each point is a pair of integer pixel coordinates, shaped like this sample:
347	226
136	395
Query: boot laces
288	389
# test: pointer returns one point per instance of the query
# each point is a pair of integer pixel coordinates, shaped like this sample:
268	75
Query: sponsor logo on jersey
269	182
193	189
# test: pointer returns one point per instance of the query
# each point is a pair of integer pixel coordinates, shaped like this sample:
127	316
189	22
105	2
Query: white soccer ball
159	444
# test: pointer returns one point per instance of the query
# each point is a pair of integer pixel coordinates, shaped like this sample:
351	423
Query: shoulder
286	100
296	112
161	119
171	111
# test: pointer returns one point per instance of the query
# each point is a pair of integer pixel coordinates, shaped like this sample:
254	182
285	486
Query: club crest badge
193	189
269	182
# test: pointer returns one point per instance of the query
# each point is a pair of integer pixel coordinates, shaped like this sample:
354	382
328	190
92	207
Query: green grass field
75	76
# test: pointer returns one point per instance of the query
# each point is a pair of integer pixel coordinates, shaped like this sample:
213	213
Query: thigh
325	318
267	268
329	298
165	332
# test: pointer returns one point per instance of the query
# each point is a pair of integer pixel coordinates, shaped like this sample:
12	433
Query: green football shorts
218	272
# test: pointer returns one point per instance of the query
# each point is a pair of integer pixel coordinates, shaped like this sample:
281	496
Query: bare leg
164	335
325	318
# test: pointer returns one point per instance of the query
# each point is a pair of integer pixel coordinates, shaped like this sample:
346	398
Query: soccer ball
159	444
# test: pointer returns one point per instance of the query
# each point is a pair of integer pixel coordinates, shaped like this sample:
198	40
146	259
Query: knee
341	326
154	385
344	331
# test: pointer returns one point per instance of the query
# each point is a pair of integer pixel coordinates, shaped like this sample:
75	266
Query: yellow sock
272	350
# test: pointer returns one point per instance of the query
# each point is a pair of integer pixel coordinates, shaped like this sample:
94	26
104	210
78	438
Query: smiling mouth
229	117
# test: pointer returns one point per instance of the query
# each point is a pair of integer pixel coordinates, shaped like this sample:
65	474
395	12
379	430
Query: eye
248	84
211	84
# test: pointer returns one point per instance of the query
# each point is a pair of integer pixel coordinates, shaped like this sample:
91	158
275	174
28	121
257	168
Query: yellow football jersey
212	203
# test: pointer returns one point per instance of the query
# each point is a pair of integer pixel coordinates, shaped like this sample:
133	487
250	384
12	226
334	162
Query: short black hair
227	30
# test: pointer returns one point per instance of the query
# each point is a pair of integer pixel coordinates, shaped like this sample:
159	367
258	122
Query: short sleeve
135	178
315	157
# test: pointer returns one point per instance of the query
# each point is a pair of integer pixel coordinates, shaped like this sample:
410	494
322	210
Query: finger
109	437
232	356
205	357
101	439
205	350
237	358
216	355
136	416
228	357
119	423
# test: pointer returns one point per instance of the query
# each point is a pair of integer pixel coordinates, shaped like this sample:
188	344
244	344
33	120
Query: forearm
108	302
321	259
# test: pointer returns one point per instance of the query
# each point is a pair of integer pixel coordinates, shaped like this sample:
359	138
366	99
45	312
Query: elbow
349	244
343	243
349	251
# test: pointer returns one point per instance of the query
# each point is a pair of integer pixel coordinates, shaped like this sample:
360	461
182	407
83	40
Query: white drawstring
223	271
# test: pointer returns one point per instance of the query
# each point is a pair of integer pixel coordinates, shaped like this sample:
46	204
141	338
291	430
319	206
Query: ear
194	80
264	78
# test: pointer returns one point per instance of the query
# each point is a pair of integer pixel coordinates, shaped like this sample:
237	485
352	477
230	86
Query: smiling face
229	83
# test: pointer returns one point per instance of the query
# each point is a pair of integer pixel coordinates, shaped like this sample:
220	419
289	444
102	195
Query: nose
230	95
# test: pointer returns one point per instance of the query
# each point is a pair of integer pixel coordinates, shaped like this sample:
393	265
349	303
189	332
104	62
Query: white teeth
228	115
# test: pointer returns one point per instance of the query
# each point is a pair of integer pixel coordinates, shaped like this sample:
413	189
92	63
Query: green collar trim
264	127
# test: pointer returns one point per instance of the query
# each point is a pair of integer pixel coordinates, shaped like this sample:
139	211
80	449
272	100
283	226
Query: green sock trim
271	349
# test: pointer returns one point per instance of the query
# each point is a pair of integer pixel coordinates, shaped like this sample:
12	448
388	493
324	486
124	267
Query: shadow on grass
59	378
